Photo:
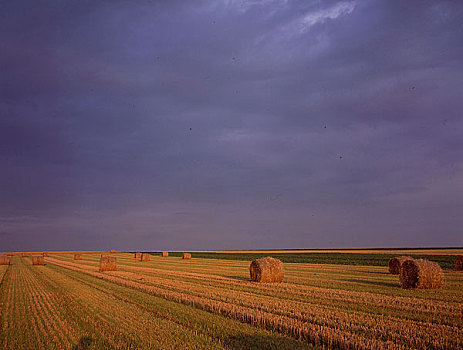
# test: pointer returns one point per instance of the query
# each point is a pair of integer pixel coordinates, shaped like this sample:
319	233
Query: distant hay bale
24	255
38	260
421	274
137	255
77	256
145	257
396	262
45	254
459	263
9	254
112	251
186	256
108	263
267	270
5	260
165	254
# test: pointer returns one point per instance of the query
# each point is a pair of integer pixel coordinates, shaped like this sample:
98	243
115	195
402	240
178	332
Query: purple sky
230	124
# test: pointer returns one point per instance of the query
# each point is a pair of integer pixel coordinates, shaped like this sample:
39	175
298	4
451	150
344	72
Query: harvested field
212	304
57	308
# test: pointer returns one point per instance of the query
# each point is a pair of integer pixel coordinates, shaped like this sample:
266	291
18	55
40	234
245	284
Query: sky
224	124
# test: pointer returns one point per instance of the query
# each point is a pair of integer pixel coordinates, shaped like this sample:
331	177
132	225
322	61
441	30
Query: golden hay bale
145	257
421	274
112	251
5	260
137	255
38	260
165	254
24	255
9	254
77	256
108	263
459	263
396	262
186	256
267	270
45	254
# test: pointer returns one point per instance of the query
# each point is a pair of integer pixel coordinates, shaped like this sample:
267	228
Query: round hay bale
112	251
266	270
137	255
186	256
5	260
24	255
165	254
145	257
77	256
38	260
421	274
108	263
45	254
459	263
396	262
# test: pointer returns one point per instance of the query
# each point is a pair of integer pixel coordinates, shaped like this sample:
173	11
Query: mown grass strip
231	333
313	333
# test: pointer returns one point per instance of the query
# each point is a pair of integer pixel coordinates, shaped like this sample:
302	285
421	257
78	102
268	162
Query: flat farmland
209	303
367	257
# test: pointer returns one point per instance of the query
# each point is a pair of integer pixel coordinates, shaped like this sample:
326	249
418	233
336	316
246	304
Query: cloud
317	17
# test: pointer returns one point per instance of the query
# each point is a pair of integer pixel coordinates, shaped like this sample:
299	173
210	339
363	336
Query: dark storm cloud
264	123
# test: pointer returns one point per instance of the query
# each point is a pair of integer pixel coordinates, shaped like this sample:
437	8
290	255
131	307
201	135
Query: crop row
316	324
432	311
49	307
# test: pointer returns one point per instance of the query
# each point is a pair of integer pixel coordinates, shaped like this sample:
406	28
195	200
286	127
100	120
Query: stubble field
170	303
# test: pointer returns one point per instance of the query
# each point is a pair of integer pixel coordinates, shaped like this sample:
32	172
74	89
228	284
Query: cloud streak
320	16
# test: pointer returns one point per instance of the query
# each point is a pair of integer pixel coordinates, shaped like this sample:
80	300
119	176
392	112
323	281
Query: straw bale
38	260
421	274
145	257
459	263
108	263
5	260
396	262
266	270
